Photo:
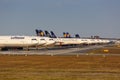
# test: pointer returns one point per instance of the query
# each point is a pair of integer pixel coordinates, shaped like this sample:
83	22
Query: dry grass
84	67
111	50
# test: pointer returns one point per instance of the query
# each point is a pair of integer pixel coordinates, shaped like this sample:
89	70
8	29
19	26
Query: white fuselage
66	41
25	41
29	41
17	41
44	41
49	41
70	41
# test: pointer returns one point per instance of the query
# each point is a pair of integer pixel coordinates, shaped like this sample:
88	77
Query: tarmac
57	51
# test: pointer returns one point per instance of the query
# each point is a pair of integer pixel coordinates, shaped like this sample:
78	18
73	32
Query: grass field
83	67
110	50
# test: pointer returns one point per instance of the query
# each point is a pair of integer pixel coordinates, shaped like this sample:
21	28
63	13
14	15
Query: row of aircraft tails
46	39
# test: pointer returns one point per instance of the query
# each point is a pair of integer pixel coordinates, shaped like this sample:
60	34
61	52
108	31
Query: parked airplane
68	40
41	34
17	41
45	39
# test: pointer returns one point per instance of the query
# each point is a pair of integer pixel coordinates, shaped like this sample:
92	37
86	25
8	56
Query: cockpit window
51	39
34	39
42	39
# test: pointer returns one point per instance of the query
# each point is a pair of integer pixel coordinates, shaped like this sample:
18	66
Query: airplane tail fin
39	32
66	35
47	33
53	35
77	36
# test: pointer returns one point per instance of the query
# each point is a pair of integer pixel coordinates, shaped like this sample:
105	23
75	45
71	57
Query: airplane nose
35	42
41	42
53	42
50	43
38	41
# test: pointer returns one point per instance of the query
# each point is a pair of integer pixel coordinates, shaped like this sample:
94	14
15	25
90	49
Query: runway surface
57	51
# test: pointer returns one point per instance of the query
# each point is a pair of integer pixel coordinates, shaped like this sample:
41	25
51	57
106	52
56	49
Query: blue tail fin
53	35
77	36
41	33
66	35
37	32
47	33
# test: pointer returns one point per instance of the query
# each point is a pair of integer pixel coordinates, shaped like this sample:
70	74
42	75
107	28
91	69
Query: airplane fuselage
17	41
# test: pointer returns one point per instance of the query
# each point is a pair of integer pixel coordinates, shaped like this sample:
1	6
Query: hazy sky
86	17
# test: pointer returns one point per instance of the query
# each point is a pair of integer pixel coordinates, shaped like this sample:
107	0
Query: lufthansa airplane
20	42
68	40
17	41
59	40
41	34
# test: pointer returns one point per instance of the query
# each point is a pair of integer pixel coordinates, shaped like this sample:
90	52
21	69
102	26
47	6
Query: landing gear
4	49
11	48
